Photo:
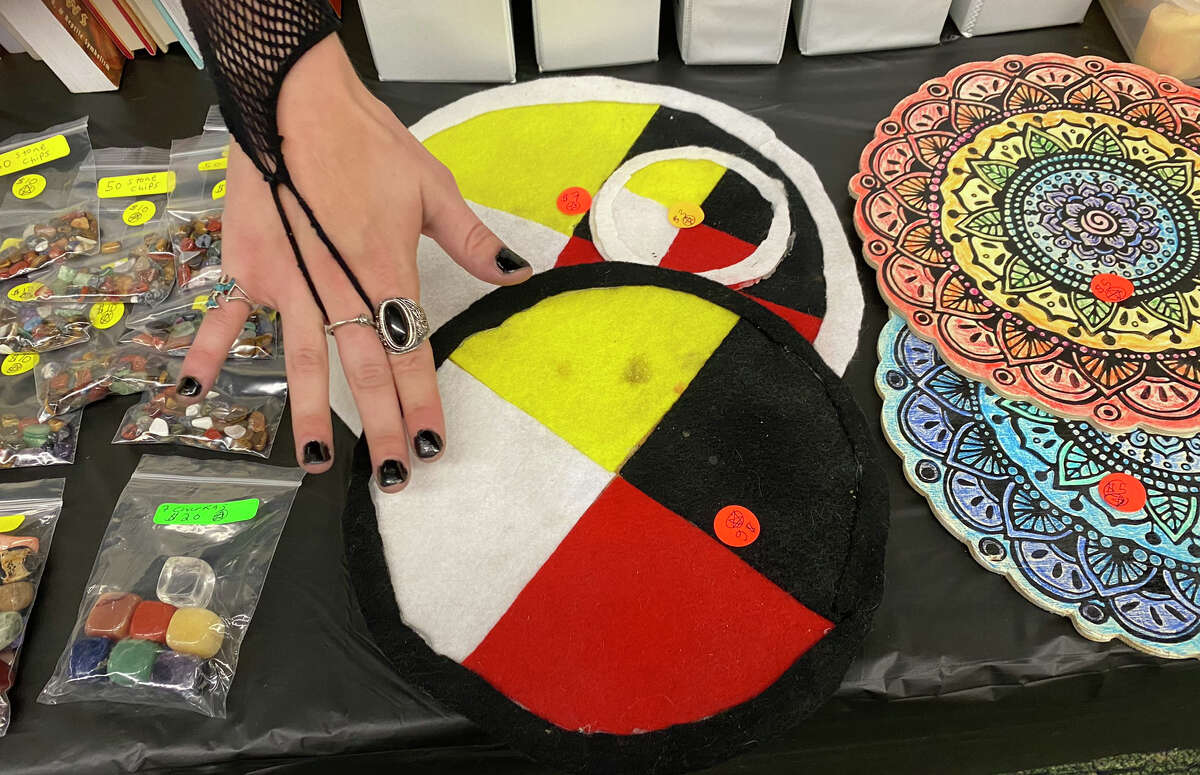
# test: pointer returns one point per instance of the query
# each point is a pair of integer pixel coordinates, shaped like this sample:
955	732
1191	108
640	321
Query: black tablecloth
961	674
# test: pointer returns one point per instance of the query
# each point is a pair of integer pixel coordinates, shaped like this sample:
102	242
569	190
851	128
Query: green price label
206	513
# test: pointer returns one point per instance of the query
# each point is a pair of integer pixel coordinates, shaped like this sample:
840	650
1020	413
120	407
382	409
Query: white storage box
731	32
571	34
985	17
1163	35
841	26
447	40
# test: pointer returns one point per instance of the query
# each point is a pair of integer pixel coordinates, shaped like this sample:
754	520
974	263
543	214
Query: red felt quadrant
639	621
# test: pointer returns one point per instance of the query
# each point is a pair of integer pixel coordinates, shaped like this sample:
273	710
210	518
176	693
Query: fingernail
188	386
316	452
427	444
510	262
392	473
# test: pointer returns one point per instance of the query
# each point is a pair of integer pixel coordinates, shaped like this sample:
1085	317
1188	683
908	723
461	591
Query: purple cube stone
173	670
88	658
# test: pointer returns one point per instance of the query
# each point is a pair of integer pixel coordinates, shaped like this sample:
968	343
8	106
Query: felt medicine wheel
1038	219
1099	527
585	169
656	535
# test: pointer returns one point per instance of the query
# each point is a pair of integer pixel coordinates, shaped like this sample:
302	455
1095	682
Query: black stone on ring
401	325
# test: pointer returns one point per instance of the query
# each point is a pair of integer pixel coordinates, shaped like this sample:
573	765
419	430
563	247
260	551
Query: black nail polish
316	452
392	473
510	262
427	444
188	386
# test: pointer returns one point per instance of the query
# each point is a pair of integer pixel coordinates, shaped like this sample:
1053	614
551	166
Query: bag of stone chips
175	584
28	513
71	379
47	198
171	327
196	207
26	438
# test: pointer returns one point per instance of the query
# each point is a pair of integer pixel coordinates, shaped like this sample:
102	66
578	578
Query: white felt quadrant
473	528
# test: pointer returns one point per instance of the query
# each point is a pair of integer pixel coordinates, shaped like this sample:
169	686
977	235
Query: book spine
90	37
108	30
143	35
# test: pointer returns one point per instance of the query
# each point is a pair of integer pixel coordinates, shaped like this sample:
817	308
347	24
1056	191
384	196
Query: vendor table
960	675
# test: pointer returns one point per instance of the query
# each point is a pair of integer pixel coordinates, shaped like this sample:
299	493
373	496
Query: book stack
86	42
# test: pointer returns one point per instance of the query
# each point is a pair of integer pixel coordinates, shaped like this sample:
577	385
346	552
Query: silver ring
226	289
401	325
362	320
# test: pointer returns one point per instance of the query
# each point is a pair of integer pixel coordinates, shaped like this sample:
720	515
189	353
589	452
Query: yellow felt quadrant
520	159
599	367
676	180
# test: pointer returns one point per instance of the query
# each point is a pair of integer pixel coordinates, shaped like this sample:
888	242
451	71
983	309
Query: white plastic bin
1163	35
570	34
986	17
731	32
841	26
447	40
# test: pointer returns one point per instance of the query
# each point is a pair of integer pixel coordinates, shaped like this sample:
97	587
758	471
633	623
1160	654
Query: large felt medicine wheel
656	536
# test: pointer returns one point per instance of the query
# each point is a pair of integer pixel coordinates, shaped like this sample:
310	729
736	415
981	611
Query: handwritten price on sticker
206	513
106	314
141	184
686	215
139	212
18	363
28	186
736	526
219	191
25	291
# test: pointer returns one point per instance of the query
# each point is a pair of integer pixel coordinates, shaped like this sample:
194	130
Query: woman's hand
374	190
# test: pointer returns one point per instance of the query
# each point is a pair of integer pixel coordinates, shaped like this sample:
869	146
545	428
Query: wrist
322	82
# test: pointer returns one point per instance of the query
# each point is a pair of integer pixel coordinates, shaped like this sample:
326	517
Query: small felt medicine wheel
1038	219
656	535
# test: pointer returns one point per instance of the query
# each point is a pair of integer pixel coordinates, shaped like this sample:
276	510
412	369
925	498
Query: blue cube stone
89	658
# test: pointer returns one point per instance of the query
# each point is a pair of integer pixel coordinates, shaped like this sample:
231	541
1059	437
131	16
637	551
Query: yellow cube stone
196	631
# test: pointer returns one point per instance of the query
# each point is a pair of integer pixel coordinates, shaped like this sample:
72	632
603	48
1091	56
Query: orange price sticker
685	215
1112	288
574	201
736	526
1123	492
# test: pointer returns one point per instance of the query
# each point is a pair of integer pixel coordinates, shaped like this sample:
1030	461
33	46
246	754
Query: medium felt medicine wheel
656	535
1038	219
1102	528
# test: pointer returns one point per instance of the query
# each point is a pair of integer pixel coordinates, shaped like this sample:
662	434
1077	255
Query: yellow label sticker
219	190
685	215
11	242
25	291
212	164
139	212
31	155
11	522
200	303
106	314
140	184
28	186
18	363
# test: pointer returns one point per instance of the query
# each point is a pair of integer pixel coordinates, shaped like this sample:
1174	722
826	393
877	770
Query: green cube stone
131	660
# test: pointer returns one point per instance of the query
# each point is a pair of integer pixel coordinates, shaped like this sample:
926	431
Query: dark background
960	675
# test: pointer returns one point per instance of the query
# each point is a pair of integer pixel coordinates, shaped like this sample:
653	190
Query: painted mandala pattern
1038	219
1099	527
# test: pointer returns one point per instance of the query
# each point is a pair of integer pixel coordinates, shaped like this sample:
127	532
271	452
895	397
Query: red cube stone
109	617
150	620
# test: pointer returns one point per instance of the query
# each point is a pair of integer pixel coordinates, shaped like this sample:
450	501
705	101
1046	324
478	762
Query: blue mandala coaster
1099	527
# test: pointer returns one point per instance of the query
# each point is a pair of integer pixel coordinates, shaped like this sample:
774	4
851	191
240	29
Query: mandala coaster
581	170
656	535
1095	526
1038	219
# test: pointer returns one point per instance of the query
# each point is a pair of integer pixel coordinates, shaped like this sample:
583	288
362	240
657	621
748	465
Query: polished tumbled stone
173	670
150	620
88	658
16	596
196	631
186	582
131	660
10	628
110	615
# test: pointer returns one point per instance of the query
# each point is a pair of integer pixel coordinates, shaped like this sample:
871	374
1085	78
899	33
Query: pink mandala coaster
1038	219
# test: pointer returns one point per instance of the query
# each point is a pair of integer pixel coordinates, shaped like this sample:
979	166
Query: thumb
466	239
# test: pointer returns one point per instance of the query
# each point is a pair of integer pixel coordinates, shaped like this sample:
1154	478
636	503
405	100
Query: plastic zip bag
47	198
138	270
26	437
175	584
240	414
68	380
214	121
28	512
196	207
43	326
171	327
